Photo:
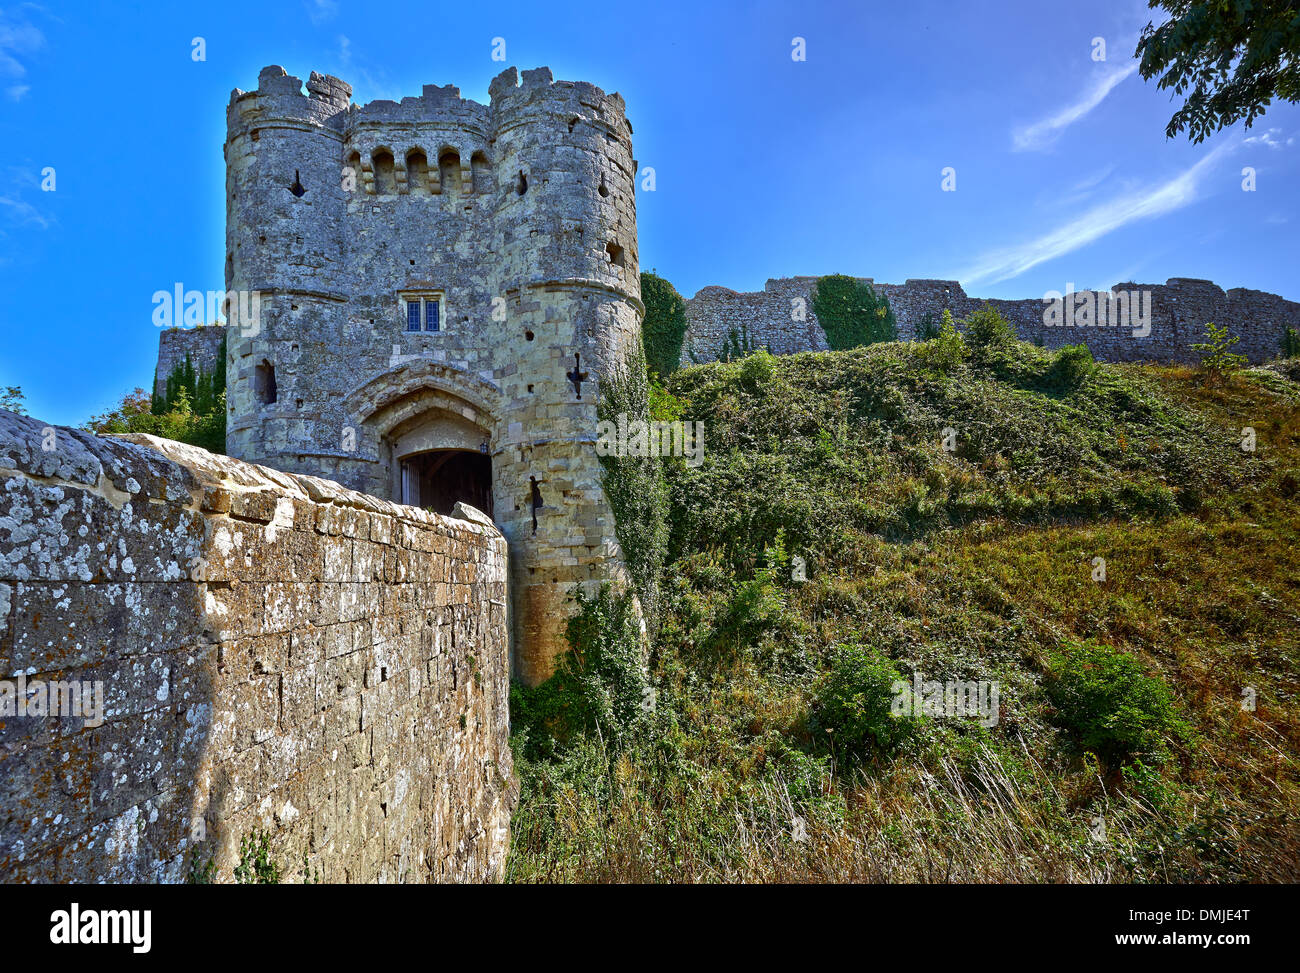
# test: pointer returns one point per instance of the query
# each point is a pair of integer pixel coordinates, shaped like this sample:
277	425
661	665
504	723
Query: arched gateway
423	315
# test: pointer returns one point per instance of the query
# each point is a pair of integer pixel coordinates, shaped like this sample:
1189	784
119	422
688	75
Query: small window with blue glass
423	310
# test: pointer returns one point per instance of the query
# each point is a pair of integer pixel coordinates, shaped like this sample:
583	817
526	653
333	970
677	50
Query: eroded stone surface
275	651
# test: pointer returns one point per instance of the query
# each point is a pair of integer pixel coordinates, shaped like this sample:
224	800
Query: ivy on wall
851	314
664	325
634	485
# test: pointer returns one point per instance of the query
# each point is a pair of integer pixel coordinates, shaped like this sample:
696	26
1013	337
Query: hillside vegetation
1093	539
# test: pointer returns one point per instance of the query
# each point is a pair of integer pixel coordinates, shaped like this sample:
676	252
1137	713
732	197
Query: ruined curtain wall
274	653
1180	310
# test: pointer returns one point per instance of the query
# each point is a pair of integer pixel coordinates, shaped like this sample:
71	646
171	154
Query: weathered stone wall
275	652
201	345
520	215
1180	310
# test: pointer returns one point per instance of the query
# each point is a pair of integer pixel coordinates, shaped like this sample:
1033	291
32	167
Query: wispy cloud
19	39
1271	138
320	11
363	82
1042	134
1079	192
1007	262
17	212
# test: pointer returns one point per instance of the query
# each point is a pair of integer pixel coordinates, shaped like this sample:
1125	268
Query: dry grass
732	784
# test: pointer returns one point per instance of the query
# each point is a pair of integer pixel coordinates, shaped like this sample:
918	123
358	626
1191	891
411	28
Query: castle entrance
438	478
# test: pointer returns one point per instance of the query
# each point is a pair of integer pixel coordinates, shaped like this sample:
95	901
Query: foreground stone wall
1180	309
274	652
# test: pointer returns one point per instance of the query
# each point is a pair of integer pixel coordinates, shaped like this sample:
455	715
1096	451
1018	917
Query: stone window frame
425	296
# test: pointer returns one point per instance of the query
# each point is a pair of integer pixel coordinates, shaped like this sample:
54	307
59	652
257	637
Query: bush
1117	710
756	370
947	349
664	325
754	606
986	328
600	686
850	313
179	422
854	703
1290	343
1217	363
1072	366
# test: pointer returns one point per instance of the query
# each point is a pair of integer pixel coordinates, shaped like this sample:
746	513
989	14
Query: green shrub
756	370
664	325
1217	363
600	687
853	712
1116	709
986	328
1290	343
1072	366
851	314
180	422
947	349
927	328
754	606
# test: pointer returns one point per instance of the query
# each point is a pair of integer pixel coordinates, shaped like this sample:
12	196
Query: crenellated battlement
432	271
515	97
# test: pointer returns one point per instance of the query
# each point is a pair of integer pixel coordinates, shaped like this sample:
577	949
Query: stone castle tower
442	287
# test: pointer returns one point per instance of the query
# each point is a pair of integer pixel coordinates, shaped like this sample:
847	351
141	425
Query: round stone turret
441	286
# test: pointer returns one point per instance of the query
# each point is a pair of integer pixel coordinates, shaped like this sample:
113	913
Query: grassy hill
950	501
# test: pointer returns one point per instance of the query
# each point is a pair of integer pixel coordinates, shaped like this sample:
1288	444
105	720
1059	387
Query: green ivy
1290	343
256	866
634	485
600	686
851	314
664	325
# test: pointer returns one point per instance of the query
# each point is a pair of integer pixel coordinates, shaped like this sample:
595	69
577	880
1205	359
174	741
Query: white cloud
15	92
1007	262
16	212
19	38
1042	134
1268	139
319	11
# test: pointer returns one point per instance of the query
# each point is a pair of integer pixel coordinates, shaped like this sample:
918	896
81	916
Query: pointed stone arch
422	407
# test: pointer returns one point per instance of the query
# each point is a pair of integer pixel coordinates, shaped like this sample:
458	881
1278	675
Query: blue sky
765	166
